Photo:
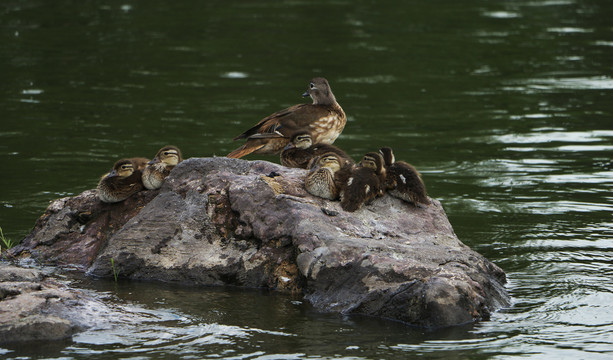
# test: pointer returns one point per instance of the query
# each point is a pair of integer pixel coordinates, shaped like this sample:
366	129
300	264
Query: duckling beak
113	173
306	93
289	146
154	161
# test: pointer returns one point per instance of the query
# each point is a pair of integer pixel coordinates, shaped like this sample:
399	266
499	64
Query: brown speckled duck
327	175
301	150
403	180
324	119
364	184
158	169
123	181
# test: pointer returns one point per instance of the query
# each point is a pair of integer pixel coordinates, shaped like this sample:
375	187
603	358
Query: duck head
319	90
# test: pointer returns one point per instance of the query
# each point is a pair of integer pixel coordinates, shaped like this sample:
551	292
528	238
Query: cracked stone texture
219	221
35	306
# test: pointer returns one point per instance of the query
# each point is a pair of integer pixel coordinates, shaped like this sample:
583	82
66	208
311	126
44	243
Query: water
504	106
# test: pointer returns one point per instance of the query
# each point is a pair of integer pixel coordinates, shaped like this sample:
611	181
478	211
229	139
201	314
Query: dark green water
506	107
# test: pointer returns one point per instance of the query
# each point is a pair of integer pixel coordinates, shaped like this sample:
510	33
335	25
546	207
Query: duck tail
244	150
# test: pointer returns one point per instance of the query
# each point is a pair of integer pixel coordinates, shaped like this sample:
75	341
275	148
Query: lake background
505	107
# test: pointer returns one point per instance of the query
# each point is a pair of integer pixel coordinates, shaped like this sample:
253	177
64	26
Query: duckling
301	150
326	176
403	180
139	162
324	119
157	169
364	184
123	181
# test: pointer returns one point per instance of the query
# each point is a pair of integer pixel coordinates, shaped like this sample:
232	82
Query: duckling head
388	155
374	161
330	161
302	140
169	155
122	168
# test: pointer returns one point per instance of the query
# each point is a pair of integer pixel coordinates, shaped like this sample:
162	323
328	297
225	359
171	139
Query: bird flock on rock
303	134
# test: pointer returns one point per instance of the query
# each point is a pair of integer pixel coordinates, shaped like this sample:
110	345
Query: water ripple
550	84
375	79
569	30
501	14
540	137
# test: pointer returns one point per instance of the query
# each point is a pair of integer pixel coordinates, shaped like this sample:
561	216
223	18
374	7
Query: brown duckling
158	169
301	150
364	184
139	162
403	180
123	181
324	119
327	175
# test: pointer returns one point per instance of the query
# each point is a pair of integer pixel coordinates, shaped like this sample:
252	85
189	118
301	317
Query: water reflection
235	75
501	14
566	83
543	136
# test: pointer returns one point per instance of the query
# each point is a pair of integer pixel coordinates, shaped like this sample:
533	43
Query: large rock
223	221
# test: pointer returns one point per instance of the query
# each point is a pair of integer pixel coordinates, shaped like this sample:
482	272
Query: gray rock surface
35	306
219	221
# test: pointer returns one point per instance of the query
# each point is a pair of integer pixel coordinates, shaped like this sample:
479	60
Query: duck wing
285	122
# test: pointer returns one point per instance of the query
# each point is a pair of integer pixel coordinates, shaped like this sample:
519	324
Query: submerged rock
219	221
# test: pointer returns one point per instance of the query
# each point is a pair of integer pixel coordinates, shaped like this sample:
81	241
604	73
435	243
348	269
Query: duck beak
306	93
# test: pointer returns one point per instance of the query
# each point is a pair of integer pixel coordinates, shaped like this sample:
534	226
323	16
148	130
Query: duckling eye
312	86
166	153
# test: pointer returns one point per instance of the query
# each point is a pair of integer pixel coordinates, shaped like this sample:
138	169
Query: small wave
501	14
555	84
